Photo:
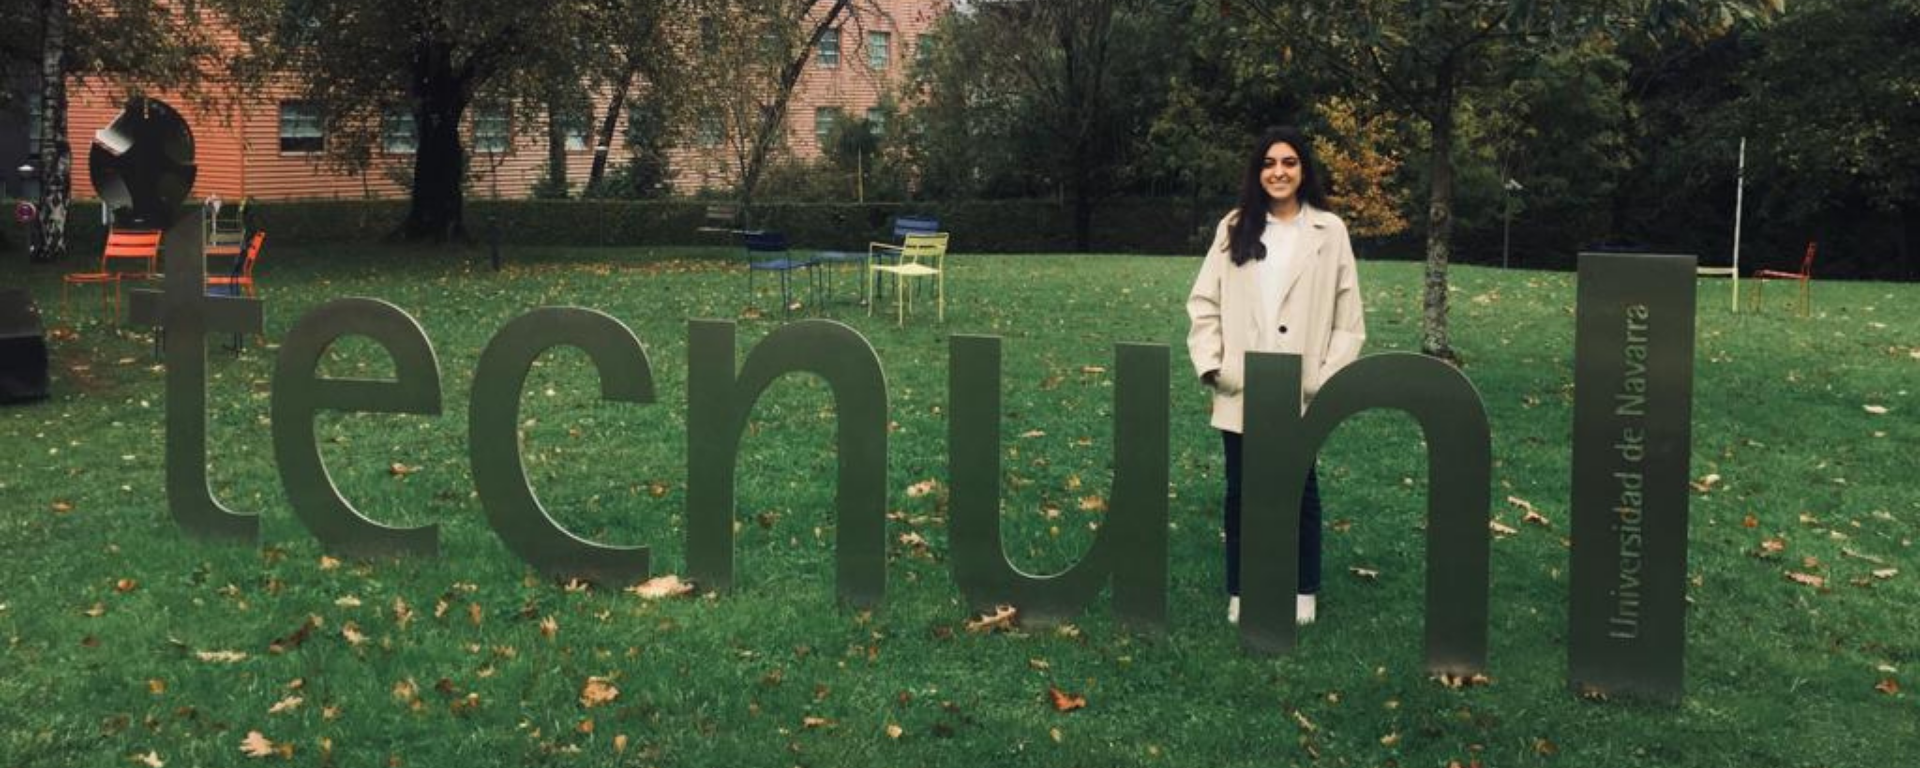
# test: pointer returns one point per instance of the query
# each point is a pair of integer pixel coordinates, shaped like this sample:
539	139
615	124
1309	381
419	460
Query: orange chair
1805	276
139	246
241	279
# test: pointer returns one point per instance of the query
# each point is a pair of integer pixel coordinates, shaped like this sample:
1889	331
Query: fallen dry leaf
402	613
1305	724
1462	681
921	488
1750	522
1807	579
1885	573
398	469
894	731
284	704
1501	529
1888	686
62	507
620	742
124	586
1093	504
295	638
352	633
660	587
1364	574
1877	410
1705	483
549	626
811	721
598	691
257	745
1032	433
221	657
1063	701
328	563
151	759
1093	369
1001	619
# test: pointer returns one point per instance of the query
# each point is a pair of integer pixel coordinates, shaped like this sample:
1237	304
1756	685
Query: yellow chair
921	256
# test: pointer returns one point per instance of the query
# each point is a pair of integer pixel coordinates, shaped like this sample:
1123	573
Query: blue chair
768	252
889	253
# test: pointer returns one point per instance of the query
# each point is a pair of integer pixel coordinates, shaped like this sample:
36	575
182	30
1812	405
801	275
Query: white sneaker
1233	609
1303	610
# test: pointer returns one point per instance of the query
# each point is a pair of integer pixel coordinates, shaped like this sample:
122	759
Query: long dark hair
1243	241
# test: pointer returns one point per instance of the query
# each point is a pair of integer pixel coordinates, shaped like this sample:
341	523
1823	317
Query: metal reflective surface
718	405
1632	445
1280	446
187	314
299	394
493	418
1130	549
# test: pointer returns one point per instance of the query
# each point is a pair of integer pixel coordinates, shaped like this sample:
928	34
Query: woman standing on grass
1280	277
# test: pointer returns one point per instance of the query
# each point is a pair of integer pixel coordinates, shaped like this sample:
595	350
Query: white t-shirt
1282	239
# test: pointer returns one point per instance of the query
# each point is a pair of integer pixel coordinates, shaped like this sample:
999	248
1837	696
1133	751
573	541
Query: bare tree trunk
776	114
1434	337
439	167
56	157
557	150
603	141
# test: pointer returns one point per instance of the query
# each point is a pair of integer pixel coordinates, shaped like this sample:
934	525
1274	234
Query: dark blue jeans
1309	522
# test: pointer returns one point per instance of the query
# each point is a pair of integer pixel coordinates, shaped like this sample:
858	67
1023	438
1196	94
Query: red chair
241	279
142	247
1805	276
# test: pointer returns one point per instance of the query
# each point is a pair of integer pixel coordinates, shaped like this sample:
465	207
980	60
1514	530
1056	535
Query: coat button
1283	329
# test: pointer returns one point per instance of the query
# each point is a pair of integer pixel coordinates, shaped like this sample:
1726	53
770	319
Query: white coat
1319	319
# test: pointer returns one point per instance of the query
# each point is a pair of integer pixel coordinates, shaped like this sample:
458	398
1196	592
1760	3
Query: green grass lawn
124	639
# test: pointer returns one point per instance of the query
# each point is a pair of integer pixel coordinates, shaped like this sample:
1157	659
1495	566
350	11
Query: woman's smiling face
1280	173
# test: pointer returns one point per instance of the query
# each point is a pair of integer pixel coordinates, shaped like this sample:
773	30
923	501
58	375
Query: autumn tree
747	57
1061	88
1422	59
357	59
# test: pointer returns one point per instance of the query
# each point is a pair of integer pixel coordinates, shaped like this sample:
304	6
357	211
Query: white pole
1739	197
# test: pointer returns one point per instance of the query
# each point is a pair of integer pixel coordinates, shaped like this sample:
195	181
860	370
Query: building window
824	119
34	116
300	128
829	54
877	121
573	130
923	51
398	133
710	132
879	45
490	130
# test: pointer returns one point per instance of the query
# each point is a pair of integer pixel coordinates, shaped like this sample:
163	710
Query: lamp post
1506	228
27	212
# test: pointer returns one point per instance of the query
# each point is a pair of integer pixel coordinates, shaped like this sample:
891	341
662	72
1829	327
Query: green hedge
984	226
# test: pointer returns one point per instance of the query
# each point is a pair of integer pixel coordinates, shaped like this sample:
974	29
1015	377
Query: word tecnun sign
1630	454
